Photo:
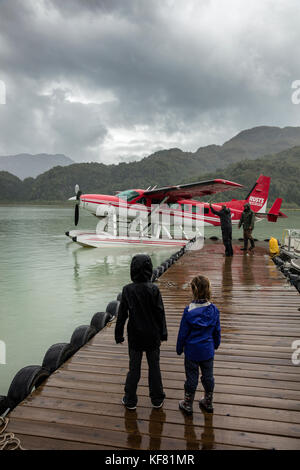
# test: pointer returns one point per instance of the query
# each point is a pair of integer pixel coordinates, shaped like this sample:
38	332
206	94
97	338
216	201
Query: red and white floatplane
164	217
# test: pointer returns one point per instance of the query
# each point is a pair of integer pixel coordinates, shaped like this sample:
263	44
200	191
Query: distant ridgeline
26	165
271	151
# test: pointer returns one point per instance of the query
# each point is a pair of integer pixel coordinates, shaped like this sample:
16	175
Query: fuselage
132	202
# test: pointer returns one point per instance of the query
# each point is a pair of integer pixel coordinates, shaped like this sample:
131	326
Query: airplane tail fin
258	196
275	212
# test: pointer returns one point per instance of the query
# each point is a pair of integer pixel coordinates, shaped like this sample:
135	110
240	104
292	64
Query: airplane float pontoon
164	217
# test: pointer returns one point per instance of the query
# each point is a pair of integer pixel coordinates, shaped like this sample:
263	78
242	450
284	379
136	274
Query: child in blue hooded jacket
199	335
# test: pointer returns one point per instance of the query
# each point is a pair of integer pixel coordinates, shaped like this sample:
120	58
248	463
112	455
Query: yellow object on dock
273	246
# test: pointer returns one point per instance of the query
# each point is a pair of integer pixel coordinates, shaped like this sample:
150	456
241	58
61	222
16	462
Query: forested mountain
247	145
26	165
172	167
283	167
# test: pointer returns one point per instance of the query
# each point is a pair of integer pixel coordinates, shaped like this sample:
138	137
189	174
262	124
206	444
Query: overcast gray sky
112	80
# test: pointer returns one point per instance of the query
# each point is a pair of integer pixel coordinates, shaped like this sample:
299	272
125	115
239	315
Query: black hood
226	210
141	268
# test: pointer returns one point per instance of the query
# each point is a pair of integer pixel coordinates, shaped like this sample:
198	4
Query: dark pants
192	375
248	236
154	376
227	241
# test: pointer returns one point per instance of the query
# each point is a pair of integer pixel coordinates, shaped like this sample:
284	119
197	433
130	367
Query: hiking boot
186	405
207	402
252	245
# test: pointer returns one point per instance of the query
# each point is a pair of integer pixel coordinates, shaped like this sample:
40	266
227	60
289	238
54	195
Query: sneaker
128	406
157	404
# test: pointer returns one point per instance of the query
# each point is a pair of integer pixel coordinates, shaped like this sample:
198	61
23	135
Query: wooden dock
257	391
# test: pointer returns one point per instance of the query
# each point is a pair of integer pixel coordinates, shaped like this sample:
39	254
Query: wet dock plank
257	394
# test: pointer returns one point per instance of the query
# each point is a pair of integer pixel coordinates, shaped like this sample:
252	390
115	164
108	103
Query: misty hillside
234	160
58	184
282	167
26	165
247	145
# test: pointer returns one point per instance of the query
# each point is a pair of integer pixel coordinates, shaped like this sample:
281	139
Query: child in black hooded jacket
142	304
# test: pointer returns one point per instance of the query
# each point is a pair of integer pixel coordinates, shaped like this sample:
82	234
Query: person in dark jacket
199	335
247	221
143	306
226	227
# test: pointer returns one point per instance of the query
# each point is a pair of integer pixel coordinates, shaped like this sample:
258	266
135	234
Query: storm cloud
115	80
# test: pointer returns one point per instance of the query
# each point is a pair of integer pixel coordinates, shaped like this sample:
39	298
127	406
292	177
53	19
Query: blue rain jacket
200	331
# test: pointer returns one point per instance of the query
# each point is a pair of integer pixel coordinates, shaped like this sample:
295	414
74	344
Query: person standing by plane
226	227
247	221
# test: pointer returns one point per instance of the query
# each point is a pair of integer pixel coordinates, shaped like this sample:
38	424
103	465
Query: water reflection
248	278
100	270
157	419
273	272
207	439
208	435
227	282
156	424
134	437
192	442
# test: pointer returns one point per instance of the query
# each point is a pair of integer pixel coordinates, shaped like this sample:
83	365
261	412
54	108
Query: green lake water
49	285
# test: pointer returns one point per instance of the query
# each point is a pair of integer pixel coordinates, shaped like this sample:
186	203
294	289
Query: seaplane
167	216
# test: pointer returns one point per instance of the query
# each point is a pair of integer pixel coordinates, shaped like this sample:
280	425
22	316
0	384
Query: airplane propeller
76	217
78	194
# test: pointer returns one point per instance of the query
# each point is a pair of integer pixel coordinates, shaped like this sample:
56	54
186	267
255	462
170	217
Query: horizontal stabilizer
276	207
281	214
273	213
274	217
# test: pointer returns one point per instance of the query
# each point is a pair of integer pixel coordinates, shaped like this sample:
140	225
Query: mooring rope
8	441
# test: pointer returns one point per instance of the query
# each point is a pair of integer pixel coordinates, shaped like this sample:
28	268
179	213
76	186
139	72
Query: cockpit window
128	195
186	207
173	205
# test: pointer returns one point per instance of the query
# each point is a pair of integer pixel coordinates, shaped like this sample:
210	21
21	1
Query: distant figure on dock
226	227
199	335
142	304
247	221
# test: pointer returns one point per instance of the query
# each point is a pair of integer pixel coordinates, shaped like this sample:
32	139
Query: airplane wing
191	190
